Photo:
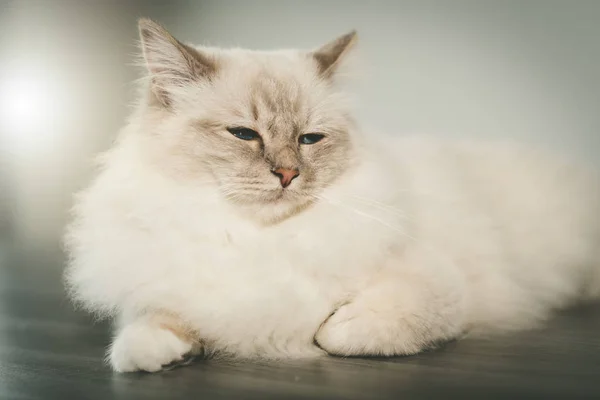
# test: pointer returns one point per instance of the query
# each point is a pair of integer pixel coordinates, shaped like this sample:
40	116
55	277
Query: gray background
518	69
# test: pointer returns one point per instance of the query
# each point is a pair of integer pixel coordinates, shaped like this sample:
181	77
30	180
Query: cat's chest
322	248
278	253
289	276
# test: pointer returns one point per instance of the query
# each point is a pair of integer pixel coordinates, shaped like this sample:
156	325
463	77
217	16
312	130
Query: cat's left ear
330	56
171	64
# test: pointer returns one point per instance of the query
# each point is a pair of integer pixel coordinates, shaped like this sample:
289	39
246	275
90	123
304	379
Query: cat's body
413	241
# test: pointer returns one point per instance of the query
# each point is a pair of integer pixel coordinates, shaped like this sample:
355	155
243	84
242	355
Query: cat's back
530	215
502	175
520	224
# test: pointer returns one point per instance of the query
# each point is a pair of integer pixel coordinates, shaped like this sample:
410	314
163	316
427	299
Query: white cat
241	212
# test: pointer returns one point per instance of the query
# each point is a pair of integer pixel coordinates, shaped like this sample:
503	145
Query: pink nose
286	176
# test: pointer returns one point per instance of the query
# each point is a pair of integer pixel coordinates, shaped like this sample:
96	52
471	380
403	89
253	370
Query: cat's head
270	129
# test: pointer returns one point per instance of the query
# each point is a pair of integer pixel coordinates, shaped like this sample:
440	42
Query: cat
243	212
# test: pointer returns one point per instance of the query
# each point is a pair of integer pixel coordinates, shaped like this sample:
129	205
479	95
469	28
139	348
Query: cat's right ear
171	64
329	56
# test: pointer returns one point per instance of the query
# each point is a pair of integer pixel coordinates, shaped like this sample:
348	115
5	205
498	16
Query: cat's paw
141	346
356	330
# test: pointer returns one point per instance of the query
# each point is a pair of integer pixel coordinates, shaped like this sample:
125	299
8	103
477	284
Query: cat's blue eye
244	133
310	138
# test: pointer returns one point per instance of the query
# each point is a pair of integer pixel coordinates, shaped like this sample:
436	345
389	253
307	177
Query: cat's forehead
277	93
272	94
277	72
276	104
276	88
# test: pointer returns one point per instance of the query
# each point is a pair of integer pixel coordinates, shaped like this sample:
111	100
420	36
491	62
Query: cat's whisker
381	206
236	193
364	215
435	251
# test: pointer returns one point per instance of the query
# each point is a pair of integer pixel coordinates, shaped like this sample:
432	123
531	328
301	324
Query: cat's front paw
357	330
142	346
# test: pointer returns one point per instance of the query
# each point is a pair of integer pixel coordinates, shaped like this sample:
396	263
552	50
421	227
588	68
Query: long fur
383	245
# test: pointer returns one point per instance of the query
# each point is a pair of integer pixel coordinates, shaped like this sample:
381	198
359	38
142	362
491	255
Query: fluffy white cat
241	212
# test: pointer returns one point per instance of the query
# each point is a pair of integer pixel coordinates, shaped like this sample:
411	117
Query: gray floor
50	351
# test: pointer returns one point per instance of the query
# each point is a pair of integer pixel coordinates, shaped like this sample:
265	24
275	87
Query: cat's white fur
419	240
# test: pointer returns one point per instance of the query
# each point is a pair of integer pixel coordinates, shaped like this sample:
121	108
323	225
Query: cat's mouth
263	196
266	195
280	195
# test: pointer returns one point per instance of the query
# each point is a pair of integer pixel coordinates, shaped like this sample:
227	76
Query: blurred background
515	68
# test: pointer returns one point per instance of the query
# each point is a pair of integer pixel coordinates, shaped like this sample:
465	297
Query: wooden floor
50	351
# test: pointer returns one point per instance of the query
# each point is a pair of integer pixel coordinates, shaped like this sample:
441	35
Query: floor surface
50	351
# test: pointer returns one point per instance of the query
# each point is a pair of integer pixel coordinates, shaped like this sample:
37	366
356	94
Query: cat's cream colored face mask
270	128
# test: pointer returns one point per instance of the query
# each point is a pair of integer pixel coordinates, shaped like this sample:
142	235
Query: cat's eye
310	138
244	133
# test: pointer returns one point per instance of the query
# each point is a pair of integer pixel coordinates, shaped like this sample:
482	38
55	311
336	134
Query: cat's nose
285	175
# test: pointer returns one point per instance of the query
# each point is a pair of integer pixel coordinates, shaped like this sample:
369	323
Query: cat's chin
275	209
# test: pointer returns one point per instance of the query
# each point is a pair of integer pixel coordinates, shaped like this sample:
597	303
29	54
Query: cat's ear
172	65
329	56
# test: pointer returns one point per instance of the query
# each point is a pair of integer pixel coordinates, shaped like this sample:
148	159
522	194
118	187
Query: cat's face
268	128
